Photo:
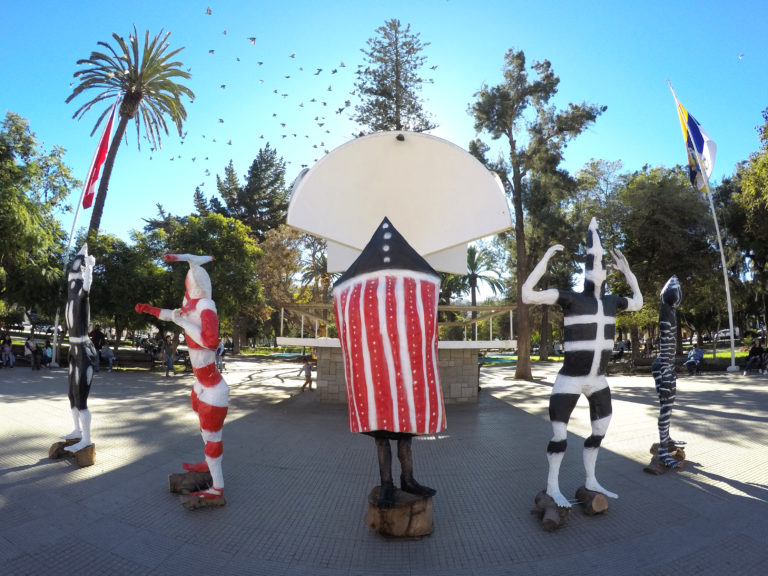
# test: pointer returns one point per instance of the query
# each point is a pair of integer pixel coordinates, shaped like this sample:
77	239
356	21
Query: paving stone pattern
297	482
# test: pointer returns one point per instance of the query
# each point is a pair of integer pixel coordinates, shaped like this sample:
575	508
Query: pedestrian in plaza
168	355
98	339
755	357
307	369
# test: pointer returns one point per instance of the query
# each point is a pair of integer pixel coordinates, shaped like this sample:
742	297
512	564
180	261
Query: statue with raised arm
589	319
210	395
82	354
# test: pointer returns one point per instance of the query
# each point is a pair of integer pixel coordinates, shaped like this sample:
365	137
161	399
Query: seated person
108	356
755	357
8	357
695	356
47	356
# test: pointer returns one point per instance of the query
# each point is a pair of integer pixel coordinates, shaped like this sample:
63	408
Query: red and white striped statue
386	312
210	395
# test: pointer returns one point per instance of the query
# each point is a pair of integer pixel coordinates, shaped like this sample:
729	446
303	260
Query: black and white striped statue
82	353
589	319
663	369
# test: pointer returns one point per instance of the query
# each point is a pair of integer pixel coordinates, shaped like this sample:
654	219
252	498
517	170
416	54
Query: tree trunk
523	367
101	195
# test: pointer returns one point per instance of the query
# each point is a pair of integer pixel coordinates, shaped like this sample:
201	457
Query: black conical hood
386	250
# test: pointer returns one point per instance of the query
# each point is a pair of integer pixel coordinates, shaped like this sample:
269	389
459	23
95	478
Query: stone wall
458	375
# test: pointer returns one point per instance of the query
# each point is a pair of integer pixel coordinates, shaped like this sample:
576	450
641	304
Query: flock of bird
297	106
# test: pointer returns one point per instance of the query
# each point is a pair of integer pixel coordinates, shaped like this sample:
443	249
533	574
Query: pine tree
390	82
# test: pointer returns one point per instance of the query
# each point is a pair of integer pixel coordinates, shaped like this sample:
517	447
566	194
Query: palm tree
479	263
146	83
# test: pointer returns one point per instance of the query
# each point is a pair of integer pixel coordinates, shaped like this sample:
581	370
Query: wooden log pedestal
552	516
657	467
83	457
193	481
410	517
592	503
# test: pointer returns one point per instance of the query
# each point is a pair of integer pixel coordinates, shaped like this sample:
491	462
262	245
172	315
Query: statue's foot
75	434
559	499
199	467
669	462
209	494
412	487
77	447
386	495
675	443
594	485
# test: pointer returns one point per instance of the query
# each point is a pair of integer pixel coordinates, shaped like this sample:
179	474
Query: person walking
307	369
168	352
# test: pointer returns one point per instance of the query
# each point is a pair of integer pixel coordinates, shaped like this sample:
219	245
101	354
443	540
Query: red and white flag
89	190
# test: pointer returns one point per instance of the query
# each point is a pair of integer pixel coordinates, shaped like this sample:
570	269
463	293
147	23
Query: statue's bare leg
76	432
387	489
407	482
561	406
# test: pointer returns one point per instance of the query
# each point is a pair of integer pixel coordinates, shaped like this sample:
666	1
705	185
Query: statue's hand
553	250
147	309
620	262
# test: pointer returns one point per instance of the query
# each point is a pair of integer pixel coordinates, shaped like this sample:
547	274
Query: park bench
126	358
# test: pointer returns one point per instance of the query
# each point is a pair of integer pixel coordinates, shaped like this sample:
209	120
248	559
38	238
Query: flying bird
252	40
293	55
210	51
208	10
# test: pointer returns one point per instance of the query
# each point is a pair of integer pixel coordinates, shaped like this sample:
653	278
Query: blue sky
617	54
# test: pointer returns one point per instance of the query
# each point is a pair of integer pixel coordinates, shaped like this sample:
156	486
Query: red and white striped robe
387	322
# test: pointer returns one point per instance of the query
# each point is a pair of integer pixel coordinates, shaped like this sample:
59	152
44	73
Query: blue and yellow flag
700	147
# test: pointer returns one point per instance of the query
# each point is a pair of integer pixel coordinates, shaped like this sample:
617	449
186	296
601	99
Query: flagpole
732	367
65	258
700	166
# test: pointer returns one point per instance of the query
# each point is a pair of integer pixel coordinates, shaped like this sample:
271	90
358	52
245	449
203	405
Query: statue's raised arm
635	302
531	296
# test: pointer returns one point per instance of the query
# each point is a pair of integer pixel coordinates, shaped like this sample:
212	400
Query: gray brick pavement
297	481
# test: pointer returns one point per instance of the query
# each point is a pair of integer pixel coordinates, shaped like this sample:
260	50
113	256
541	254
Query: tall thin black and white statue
82	353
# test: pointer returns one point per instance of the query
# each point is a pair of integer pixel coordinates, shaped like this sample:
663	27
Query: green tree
236	289
279	264
146	82
389	85
502	111
261	203
123	276
33	187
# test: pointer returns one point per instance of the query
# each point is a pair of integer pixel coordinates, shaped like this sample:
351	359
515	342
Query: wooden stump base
552	516
192	502
657	467
187	482
83	457
591	502
411	516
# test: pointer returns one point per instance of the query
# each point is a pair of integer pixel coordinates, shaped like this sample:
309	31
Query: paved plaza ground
297	482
